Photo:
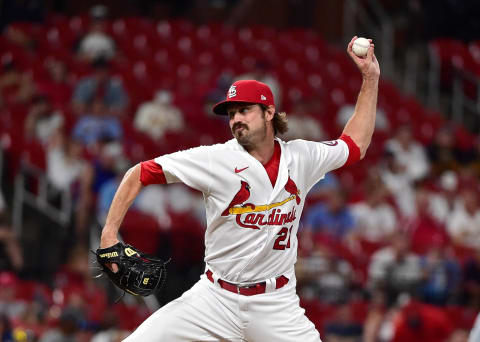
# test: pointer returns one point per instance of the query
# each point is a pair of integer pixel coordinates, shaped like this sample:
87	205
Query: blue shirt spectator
332	217
100	86
442	276
91	129
328	183
114	95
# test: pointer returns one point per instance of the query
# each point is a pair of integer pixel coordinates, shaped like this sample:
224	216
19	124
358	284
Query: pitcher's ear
270	113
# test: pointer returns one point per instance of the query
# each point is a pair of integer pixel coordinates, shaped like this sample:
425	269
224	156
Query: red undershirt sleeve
353	150
151	173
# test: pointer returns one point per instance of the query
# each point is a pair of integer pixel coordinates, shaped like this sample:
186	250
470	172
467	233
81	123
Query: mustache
239	125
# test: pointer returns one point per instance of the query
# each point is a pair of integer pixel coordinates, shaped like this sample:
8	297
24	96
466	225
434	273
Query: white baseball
360	47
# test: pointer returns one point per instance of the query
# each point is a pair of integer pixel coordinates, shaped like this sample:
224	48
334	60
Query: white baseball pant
208	313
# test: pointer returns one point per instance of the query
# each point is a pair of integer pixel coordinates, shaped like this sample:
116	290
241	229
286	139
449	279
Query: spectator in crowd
74	272
6	333
97	126
97	43
11	257
409	154
218	91
335	281
421	322
33	321
56	86
65	164
16	36
423	228
101	88
109	159
208	123
161	203
10	306
398	183
445	200
68	325
343	327
105	196
261	72
10	251
332	218
156	201
382	124
302	125
464	223
159	116
325	276
471	157
375	218
442	152
74	281
378	324
103	168
395	269
43	121
15	86
321	190
441	276
471	281
109	331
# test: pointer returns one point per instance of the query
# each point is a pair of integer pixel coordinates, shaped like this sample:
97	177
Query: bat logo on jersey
249	215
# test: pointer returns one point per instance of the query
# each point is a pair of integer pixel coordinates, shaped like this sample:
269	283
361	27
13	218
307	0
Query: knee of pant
164	328
153	333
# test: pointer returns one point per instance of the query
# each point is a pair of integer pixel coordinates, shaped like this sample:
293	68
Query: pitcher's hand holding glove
138	273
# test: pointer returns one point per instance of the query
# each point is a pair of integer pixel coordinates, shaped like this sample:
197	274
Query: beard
246	137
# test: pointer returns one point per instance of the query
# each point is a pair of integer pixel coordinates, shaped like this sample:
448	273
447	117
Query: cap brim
221	107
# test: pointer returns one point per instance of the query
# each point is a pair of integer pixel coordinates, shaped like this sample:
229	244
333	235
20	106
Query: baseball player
254	188
474	335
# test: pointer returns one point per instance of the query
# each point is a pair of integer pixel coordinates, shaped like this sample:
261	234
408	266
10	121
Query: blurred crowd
389	249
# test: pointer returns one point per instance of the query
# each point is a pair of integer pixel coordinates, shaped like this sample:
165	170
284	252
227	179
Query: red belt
249	290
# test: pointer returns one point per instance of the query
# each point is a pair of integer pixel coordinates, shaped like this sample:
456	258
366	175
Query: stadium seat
187	60
130	316
453	54
141	230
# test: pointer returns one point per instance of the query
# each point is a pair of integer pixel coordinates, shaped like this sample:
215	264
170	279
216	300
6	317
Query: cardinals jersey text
251	225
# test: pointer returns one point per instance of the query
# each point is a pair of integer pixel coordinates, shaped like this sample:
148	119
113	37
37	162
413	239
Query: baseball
360	47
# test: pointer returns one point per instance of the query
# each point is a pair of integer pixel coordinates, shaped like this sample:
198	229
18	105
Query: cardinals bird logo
242	195
249	215
291	187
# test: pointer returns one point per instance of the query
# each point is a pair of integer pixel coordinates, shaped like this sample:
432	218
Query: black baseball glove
138	273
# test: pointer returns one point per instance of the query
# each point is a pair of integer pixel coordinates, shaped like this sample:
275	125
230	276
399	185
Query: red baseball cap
248	91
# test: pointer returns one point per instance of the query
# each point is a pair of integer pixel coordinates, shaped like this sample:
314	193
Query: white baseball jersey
251	226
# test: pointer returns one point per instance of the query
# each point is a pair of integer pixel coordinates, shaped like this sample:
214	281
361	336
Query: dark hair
279	122
100	63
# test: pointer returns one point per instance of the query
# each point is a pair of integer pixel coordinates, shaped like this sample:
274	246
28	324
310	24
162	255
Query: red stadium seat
142	231
79	24
462	317
453	54
130	316
474	48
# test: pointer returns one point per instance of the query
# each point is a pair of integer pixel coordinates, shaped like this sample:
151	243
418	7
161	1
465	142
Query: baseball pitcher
254	188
